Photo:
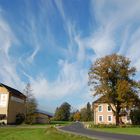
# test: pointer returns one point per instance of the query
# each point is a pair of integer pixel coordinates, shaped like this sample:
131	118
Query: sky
51	44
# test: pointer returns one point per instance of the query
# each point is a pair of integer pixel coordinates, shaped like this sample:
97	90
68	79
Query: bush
103	126
113	126
20	118
2	124
135	117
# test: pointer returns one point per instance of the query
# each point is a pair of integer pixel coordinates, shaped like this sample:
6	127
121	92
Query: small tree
83	113
71	118
31	105
89	112
77	116
86	113
113	77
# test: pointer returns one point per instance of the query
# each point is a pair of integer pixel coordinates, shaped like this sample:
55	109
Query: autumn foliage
77	116
113	77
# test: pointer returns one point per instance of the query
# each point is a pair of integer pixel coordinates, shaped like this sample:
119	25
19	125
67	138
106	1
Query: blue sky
52	43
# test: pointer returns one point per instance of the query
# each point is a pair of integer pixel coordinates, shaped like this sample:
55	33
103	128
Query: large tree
31	105
112	77
62	113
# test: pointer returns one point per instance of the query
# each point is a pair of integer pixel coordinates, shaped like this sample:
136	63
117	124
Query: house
12	102
42	117
103	113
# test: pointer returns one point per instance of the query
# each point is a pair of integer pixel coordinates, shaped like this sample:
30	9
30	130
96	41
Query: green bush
112	126
20	117
135	117
103	126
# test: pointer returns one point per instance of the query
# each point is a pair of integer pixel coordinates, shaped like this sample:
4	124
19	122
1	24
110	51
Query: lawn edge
112	132
74	133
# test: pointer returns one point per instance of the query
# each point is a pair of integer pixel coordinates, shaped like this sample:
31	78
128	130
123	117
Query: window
17	99
109	108
100	118
100	108
3	100
109	118
2	116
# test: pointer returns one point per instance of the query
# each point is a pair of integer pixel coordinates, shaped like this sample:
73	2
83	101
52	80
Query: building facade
42	117
103	114
12	102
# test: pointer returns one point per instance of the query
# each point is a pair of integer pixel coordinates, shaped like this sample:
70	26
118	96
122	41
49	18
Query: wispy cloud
106	39
8	72
6	37
72	76
70	80
115	29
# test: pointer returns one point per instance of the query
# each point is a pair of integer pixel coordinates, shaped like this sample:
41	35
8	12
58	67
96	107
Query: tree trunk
118	115
117	119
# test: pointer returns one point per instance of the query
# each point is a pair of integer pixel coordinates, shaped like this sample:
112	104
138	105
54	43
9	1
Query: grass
131	131
62	123
50	133
53	123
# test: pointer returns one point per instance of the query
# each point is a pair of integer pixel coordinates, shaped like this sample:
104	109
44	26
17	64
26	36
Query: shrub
20	117
135	117
112	126
2	123
103	126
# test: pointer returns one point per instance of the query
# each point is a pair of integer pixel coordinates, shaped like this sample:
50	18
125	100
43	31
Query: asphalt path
78	128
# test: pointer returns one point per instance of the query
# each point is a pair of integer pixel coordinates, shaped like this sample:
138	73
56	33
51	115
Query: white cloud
8	73
133	48
101	42
59	6
31	58
117	28
115	23
6	37
72	76
70	80
33	39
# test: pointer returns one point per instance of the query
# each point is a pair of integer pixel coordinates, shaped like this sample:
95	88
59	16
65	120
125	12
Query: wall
41	118
15	107
104	113
4	106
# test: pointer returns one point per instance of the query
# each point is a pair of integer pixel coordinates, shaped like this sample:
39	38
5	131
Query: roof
100	100
13	91
45	113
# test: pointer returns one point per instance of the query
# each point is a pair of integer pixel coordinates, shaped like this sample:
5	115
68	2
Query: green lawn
62	123
36	134
53	123
133	130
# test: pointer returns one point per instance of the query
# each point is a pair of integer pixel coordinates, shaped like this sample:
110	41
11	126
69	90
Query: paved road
79	129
